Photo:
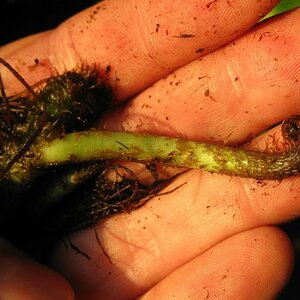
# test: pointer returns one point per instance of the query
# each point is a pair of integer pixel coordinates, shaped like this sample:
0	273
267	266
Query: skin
215	236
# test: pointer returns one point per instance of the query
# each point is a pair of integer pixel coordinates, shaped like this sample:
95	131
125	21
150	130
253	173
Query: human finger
253	264
141	40
198	209
24	279
10	48
229	95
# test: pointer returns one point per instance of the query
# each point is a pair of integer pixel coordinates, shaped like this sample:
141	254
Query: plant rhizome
42	203
59	175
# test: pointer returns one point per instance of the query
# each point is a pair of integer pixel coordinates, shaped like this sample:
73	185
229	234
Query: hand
213	237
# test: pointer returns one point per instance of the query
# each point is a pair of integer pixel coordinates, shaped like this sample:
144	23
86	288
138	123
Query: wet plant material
65	103
42	203
57	106
57	175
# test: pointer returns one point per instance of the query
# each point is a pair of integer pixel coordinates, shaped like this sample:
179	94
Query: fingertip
277	260
24	279
253	264
10	48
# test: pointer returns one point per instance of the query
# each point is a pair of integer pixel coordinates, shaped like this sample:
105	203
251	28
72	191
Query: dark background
19	18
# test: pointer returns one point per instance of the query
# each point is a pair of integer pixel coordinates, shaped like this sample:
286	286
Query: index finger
141	40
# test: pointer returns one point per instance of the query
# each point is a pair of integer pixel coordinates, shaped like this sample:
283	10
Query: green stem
104	145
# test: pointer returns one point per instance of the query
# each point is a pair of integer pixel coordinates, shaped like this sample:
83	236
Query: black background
19	18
